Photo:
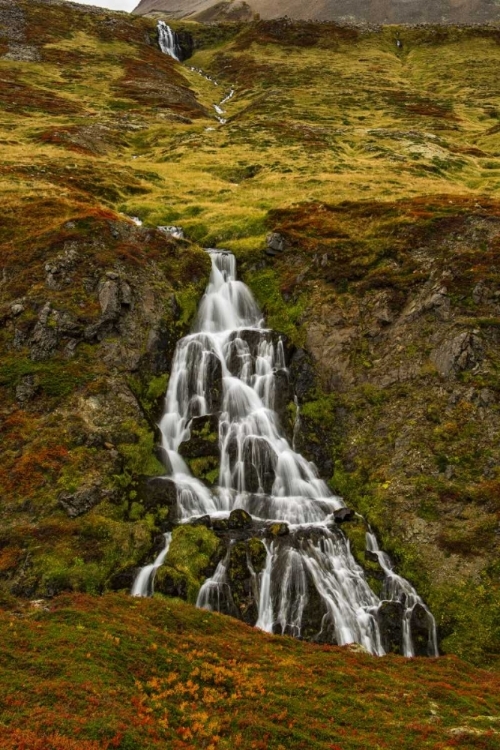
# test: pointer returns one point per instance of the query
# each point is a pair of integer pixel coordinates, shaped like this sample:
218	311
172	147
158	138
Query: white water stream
167	39
169	45
231	366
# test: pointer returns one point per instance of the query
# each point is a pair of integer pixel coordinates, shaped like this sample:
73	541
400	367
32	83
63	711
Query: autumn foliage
84	673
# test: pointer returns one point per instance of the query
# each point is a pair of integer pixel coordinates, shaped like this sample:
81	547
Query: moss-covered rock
246	560
190	554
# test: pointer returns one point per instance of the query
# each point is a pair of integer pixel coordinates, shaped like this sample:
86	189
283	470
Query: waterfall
232	366
144	583
169	41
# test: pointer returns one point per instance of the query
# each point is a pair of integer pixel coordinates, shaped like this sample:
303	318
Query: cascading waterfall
168	41
144	583
232	366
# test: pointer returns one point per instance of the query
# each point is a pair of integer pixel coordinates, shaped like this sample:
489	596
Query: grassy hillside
94	674
379	166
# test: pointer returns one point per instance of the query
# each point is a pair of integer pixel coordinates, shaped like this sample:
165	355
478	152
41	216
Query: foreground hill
357	11
96	674
379	169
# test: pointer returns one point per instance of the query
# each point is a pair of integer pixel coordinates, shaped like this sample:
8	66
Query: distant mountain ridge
361	11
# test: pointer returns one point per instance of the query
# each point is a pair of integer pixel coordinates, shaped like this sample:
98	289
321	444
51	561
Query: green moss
190	552
284	317
138	455
257	553
187	298
205	468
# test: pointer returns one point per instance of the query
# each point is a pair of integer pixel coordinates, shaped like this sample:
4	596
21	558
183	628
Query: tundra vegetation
379	167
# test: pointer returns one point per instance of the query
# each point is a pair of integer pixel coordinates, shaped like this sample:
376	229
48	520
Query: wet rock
239	519
220	524
246	559
170	585
343	515
123	580
390	620
283	394
463	352
277	529
77	503
214	384
204	438
371	556
202	521
419	626
259	464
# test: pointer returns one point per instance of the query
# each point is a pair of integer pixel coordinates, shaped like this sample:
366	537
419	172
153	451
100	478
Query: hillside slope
96	674
379	168
357	11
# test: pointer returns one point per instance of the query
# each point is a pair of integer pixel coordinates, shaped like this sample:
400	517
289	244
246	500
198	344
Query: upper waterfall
168	41
233	367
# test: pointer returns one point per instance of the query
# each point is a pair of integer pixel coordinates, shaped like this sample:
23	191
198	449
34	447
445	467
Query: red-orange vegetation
86	672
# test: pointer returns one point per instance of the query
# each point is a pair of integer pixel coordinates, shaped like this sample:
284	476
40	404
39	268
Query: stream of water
231	365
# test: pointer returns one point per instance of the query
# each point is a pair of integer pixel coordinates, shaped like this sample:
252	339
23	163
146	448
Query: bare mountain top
371	11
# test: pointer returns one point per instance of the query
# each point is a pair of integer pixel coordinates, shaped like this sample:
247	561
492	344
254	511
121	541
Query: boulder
202	521
239	519
277	529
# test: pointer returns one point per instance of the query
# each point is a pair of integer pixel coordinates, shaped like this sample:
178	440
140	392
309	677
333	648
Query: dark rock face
390	620
302	374
419	624
169	586
259	462
246	560
186	44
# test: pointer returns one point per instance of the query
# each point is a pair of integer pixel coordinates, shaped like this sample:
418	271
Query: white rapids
168	41
232	366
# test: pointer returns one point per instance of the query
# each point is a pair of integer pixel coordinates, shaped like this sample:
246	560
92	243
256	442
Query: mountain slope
368	11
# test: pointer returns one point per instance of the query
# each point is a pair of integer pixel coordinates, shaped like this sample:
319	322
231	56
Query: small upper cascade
169	41
233	368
